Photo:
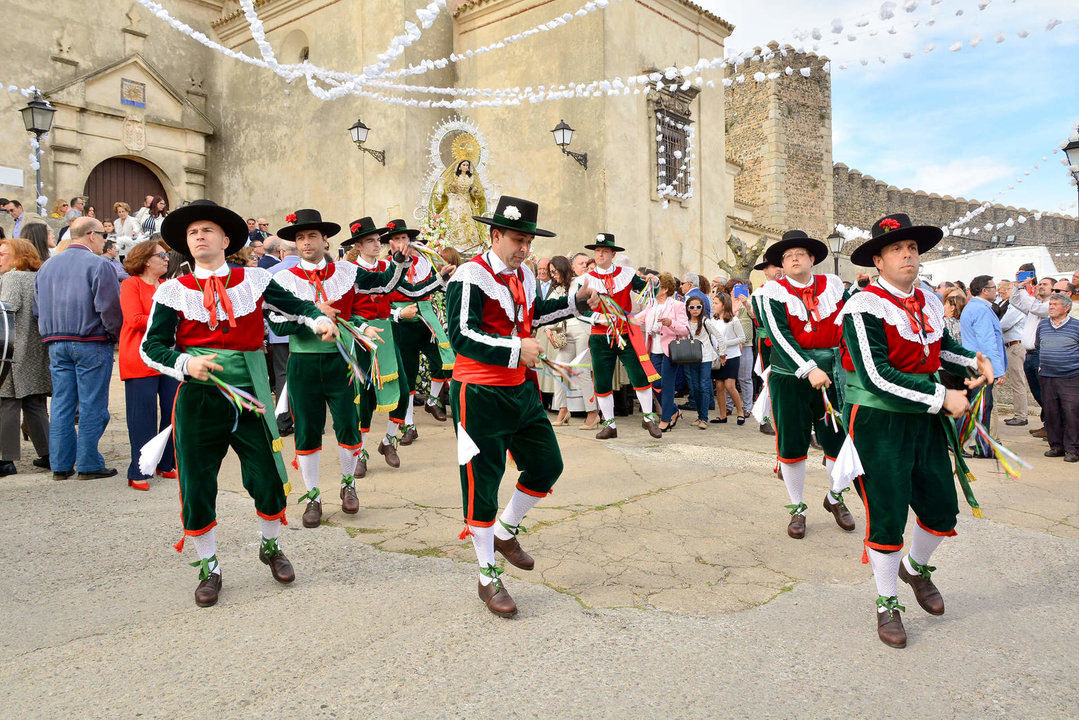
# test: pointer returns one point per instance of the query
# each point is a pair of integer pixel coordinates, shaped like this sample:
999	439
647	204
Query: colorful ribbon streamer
830	414
433	257
243	400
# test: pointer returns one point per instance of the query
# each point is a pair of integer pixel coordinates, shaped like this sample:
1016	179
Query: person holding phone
898	415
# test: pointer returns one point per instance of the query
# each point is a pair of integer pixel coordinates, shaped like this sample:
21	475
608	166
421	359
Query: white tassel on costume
758	366
466	449
151	452
762	409
847	466
282	402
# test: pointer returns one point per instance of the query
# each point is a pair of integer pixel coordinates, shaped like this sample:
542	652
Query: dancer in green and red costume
417	329
391	393
493	305
622	341
318	373
208	325
894	344
799	311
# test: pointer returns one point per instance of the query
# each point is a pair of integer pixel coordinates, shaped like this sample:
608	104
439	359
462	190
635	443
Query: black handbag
686	352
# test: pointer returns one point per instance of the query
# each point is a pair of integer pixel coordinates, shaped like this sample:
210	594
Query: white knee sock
606	407
922	546
885	572
363	441
206	547
410	410
794	477
348	460
436	390
391	430
309	469
828	465
270	529
644	397
483	540
515	511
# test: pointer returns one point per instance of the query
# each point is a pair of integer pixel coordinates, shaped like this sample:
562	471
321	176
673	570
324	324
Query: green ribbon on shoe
347	481
890	603
926	571
513	529
205	565
798	509
311	495
838	497
270	548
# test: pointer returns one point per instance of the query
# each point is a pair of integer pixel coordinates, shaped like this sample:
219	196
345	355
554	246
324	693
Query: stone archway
121	179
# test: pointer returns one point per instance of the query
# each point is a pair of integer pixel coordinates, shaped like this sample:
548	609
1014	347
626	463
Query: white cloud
962	176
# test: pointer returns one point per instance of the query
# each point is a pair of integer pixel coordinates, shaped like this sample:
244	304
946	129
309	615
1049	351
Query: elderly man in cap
206	329
799	311
493	304
897	448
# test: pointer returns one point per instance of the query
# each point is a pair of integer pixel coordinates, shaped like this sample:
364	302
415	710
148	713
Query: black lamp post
563	134
37	117
1071	150
835	244
359	136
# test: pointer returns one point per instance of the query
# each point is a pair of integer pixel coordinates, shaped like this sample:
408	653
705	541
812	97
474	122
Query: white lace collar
366	265
600	271
202	273
871	303
473	273
795	283
244	296
340	282
827	301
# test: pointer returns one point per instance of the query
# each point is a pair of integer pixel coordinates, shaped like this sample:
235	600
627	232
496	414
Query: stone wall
780	132
861	200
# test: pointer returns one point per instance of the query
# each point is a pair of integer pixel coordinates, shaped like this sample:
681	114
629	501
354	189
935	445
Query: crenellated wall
861	200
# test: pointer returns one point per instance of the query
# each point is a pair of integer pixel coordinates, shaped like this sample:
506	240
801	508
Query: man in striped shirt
1057	342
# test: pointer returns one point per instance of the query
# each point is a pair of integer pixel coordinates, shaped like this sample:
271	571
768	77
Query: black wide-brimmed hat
604	240
359	229
515	214
306	219
765	264
398	226
795	239
891	229
174	227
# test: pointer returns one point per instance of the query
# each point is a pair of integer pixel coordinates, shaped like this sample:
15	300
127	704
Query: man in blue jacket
77	304
981	332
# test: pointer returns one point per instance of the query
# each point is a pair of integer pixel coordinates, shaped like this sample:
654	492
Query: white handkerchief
282	402
762	409
151	452
847	466
758	366
466	449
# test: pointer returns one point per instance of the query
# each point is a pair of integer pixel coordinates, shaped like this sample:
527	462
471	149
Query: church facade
143	109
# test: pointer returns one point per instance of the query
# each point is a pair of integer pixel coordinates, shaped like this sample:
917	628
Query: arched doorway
120	179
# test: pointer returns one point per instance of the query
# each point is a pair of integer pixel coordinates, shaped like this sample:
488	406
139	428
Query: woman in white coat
725	370
712	337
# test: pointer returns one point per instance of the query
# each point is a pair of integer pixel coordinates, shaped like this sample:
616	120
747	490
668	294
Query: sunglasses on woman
162	255
696	307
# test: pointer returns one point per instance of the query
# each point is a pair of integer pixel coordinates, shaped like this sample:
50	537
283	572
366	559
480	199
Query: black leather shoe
42	462
7	468
62	474
97	474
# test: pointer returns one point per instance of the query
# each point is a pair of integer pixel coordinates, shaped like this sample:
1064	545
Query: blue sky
966	123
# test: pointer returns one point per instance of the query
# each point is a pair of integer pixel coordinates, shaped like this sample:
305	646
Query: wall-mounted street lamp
1071	150
37	117
835	244
563	134
359	136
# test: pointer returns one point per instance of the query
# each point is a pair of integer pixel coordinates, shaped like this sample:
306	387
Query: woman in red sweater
144	389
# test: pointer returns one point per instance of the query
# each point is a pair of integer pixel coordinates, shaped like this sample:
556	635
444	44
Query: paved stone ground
665	586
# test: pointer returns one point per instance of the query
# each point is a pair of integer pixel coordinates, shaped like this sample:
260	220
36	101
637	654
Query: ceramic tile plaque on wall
133	93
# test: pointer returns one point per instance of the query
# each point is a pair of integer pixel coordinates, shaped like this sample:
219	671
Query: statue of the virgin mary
458	195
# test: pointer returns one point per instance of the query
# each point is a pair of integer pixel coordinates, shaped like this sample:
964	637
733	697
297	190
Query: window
673	170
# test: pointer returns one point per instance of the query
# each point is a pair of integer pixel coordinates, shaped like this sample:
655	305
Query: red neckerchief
316	278
411	274
913	307
608	279
514	283
214	291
